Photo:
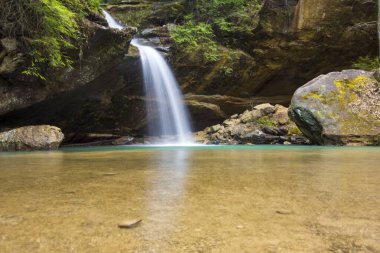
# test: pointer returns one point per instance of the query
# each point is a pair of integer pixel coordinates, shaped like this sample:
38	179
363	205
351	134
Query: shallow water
199	199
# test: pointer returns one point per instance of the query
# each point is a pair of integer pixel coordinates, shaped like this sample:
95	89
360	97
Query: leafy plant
196	36
366	63
212	25
48	29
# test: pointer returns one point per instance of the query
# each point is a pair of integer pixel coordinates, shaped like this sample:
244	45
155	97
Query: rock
109	174
281	115
125	140
9	44
265	109
230	122
216	128
376	75
249	116
129	223
340	108
101	53
43	137
255	127
10	63
284	211
287	143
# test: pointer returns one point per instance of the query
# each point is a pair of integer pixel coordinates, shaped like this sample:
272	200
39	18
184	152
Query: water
112	23
204	199
166	111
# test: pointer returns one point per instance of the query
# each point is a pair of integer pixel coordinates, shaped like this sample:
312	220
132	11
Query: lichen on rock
340	108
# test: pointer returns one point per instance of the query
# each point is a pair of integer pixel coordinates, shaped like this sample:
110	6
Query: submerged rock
28	138
264	124
340	108
129	223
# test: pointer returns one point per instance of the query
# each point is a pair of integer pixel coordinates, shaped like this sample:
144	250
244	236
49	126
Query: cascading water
163	96
112	23
166	112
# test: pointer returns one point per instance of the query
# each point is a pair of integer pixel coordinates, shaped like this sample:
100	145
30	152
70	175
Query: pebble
283	211
109	174
129	223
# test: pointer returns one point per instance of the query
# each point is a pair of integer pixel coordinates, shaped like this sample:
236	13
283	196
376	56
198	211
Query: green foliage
366	63
49	29
212	25
196	36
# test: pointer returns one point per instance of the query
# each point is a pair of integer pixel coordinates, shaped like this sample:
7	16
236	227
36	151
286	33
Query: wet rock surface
340	108
264	124
30	138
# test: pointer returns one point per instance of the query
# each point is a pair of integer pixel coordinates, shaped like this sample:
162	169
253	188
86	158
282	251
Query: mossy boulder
340	108
29	138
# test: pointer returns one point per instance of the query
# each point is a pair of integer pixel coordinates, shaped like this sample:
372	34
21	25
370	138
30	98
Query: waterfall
166	110
112	23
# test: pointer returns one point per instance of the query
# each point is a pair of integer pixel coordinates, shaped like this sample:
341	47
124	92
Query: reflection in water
167	189
235	199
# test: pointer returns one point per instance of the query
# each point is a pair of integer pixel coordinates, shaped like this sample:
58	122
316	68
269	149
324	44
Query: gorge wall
293	42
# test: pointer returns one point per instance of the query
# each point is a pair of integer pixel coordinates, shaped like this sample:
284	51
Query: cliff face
293	42
315	37
103	51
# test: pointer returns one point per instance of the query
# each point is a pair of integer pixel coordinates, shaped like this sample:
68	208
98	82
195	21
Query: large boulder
340	108
43	137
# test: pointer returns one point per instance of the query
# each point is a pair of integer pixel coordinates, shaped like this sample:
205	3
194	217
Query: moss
294	130
347	92
266	121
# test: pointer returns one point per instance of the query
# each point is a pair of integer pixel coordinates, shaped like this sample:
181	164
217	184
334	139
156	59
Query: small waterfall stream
166	111
112	23
163	97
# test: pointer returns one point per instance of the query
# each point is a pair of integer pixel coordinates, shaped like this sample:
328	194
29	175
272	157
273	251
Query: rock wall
104	50
294	42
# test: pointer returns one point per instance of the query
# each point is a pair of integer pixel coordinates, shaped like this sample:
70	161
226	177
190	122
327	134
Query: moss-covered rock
264	124
31	138
340	108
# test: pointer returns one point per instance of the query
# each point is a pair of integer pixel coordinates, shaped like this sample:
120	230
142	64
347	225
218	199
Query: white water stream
166	111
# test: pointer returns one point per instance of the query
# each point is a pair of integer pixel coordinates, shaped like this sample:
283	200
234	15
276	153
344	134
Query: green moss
346	92
294	130
266	121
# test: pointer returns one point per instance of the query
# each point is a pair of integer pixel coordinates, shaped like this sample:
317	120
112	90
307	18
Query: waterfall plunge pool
191	199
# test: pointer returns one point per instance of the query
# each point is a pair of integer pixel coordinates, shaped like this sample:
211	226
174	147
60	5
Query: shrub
366	63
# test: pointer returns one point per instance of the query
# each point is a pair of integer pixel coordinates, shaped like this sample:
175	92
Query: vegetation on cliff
210	25
47	29
366	63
